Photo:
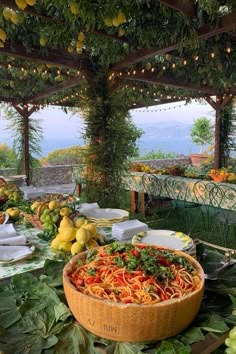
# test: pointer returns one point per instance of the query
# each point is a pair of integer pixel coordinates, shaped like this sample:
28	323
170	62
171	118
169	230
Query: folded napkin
18	240
87	206
7	230
127	229
14	252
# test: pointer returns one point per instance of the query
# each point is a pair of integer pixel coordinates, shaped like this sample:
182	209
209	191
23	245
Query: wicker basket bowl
132	322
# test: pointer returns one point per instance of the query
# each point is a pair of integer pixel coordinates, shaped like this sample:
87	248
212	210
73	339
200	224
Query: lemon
14	17
35	205
121	32
70	49
21	4
79	222
66	221
92	243
65	211
108	21
81	36
3	35
115	22
42	41
82	236
65	246
7	13
55	243
91	228
54	204
74	8
31	2
79	45
121	17
67	234
76	248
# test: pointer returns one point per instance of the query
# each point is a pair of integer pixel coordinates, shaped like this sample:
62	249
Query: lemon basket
132	322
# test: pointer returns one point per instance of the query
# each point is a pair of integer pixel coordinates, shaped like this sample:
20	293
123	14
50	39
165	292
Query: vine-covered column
110	136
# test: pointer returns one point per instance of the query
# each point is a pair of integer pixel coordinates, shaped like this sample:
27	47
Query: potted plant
202	134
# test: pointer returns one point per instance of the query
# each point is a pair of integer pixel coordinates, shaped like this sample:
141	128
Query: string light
212	55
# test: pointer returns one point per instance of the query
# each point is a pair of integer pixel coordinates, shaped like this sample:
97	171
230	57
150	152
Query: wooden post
25	112
218	149
218	105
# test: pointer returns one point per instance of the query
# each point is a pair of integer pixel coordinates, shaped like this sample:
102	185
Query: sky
59	126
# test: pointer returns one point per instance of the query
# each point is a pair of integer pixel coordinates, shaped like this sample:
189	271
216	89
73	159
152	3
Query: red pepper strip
163	261
119	280
126	301
164	297
141	246
79	281
92	280
135	253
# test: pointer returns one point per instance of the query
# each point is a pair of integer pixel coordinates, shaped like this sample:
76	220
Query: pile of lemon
76	236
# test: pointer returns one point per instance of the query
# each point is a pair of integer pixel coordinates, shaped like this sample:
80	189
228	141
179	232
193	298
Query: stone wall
52	175
162	163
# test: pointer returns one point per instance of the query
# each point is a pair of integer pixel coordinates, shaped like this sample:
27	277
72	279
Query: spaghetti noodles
135	274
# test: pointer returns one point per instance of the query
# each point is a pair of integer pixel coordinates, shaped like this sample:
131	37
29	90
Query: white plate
165	238
11	254
106	214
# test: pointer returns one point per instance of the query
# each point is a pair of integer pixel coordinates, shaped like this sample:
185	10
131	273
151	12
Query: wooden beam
56	58
167	81
31	11
54	89
225	24
188	7
13	100
226	100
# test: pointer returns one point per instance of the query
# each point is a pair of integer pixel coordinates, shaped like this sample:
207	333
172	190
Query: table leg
143	197
78	189
134	201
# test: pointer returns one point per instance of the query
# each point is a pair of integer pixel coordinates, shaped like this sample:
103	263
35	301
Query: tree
16	127
202	132
8	158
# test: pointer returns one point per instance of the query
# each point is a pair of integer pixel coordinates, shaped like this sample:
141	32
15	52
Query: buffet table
220	195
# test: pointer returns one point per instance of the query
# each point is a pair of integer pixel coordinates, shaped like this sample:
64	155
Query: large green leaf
75	340
173	346
9	312
215	323
192	335
125	348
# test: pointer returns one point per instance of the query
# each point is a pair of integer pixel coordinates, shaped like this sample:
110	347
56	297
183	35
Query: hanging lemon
121	17
70	49
31	2
3	35
81	36
115	22
7	13
121	32
108	21
42	41
74	8
21	4
14	17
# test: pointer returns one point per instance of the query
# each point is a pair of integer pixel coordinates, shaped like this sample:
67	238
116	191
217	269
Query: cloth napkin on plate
14	252
7	230
8	236
127	229
86	207
18	240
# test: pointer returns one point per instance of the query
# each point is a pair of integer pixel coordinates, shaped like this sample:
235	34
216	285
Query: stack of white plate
106	217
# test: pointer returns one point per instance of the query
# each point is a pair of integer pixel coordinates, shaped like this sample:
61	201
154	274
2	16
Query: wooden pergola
33	76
